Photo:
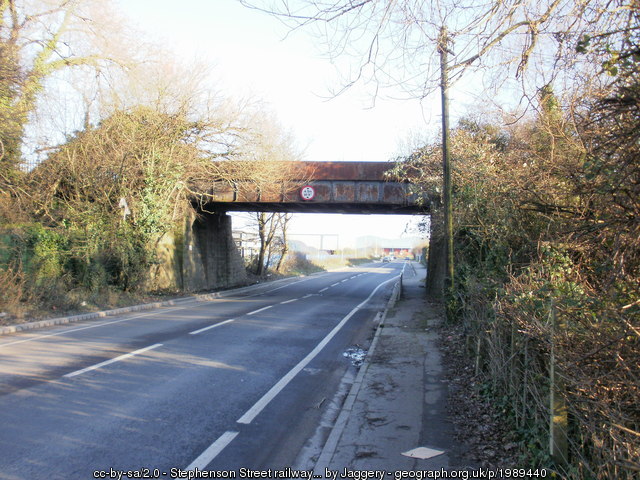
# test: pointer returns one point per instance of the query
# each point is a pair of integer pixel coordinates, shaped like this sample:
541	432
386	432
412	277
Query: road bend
235	382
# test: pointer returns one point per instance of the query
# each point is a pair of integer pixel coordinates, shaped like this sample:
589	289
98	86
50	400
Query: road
242	381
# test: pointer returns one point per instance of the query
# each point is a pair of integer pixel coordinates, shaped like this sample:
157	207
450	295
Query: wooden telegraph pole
446	164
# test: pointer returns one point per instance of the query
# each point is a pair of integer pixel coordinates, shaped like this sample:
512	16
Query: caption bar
346	473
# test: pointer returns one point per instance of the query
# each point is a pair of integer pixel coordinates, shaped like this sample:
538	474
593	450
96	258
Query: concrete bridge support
202	257
210	257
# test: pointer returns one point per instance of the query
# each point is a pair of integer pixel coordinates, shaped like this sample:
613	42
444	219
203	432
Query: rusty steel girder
337	187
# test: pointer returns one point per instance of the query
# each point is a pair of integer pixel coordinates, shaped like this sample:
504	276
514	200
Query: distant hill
381	242
365	242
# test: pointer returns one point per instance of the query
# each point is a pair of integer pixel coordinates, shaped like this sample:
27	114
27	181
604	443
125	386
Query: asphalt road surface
242	381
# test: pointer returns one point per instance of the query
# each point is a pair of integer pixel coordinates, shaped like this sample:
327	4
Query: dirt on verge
485	438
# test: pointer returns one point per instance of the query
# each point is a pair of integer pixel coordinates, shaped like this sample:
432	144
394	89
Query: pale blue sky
251	56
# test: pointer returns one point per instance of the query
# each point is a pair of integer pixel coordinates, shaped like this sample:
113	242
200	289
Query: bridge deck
336	187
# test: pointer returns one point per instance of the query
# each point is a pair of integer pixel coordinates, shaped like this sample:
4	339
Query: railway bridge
323	187
205	256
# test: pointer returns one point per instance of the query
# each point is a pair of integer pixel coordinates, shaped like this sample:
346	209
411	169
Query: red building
397	252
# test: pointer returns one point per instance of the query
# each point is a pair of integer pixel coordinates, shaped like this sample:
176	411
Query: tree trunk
285	245
263	243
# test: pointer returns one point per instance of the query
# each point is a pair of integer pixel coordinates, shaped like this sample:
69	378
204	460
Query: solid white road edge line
284	381
195	332
212	451
113	360
260	310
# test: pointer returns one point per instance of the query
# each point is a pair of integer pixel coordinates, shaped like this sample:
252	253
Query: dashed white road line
284	381
323	290
278	288
334	284
113	360
195	332
212	451
260	310
289	301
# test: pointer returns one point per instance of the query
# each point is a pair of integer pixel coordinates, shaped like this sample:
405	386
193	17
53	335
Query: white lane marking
324	290
212	451
278	288
134	317
113	360
310	295
334	284
345	280
260	310
93	326
353	277
195	332
284	381
289	301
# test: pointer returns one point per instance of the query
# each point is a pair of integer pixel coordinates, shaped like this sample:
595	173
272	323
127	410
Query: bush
548	260
297	264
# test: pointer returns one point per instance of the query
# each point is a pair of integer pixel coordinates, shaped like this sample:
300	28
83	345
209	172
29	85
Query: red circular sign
307	192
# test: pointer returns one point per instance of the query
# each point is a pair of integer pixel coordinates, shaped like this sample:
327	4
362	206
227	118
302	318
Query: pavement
394	417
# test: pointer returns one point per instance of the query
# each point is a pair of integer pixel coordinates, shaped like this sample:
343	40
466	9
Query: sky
251	57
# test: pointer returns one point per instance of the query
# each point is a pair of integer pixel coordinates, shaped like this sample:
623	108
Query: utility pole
446	164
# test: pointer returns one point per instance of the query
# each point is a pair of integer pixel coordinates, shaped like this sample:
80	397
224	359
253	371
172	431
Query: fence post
558	424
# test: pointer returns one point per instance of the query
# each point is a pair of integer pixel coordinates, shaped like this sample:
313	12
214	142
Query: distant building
379	247
399	252
247	243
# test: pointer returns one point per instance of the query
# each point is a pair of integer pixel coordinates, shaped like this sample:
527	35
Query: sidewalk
397	403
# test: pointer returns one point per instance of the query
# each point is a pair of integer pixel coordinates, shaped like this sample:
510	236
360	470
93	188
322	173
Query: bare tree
390	43
267	224
396	43
261	166
38	40
284	225
272	234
